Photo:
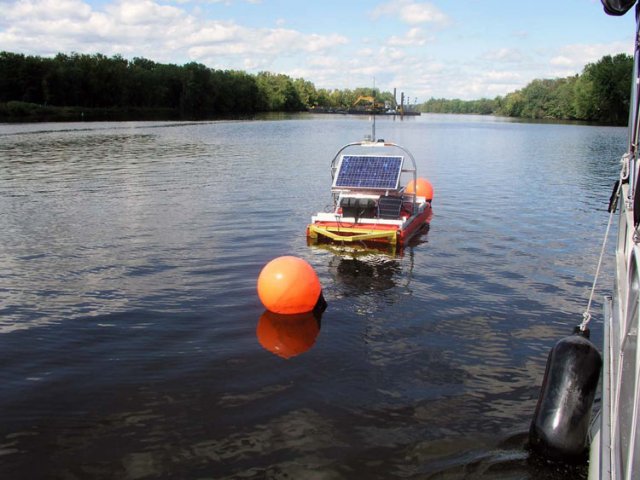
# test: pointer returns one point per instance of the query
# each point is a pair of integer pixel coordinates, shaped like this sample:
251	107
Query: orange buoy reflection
288	335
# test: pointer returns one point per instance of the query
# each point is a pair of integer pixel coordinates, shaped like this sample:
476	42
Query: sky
465	49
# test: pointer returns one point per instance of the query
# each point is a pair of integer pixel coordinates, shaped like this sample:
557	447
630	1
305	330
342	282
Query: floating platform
377	197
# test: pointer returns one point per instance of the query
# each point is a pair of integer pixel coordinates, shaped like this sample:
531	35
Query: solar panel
369	172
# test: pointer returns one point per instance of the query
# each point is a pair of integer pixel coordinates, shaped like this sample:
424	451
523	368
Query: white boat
615	443
613	438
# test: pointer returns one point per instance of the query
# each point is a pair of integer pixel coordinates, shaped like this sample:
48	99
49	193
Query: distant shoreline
24	112
363	112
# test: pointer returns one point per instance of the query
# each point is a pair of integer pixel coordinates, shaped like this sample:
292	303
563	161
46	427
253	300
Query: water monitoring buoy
561	420
289	285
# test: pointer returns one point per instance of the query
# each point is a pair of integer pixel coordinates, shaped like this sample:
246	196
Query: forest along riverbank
81	87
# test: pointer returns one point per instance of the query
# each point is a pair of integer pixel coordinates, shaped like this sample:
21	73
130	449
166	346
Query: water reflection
365	275
365	269
509	461
288	335
134	251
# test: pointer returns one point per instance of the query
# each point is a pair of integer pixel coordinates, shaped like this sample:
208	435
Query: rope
586	316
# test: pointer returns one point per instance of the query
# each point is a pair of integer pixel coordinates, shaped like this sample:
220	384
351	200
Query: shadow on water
371	269
365	275
509	460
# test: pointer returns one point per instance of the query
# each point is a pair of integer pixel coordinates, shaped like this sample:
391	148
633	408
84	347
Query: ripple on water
129	317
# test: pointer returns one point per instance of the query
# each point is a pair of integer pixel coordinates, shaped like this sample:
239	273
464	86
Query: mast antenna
373	111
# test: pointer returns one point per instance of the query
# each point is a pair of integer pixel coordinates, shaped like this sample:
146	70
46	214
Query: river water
133	344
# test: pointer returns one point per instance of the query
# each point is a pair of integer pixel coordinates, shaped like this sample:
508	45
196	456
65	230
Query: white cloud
150	29
319	43
395	54
502	77
224	2
411	12
413	38
366	52
43	10
214	33
140	12
573	58
235	40
506	55
254	63
414	13
324	62
562	61
456	80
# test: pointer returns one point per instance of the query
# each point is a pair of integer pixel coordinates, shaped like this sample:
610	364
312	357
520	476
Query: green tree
277	93
195	99
606	85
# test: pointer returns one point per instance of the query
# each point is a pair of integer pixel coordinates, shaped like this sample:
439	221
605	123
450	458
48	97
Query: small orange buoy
289	285
422	188
287	335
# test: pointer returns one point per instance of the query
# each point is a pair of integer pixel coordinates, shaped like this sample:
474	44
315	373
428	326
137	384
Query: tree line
599	94
99	87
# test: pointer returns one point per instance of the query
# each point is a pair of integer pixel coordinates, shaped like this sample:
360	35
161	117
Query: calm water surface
133	344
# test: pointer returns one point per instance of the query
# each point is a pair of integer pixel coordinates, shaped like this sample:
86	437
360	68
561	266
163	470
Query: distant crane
370	103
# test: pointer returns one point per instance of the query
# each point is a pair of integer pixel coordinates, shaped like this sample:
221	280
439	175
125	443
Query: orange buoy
287	335
289	285
422	188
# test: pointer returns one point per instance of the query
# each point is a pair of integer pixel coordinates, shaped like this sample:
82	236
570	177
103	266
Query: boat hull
395	233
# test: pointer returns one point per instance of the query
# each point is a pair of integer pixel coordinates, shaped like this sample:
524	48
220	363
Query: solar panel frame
369	172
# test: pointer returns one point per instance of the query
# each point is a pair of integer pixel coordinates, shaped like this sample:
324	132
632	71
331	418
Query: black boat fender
560	423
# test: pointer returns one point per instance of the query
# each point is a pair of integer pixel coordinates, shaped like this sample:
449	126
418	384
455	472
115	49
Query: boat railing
380	143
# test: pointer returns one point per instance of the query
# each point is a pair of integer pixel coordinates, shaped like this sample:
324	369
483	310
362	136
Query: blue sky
453	49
